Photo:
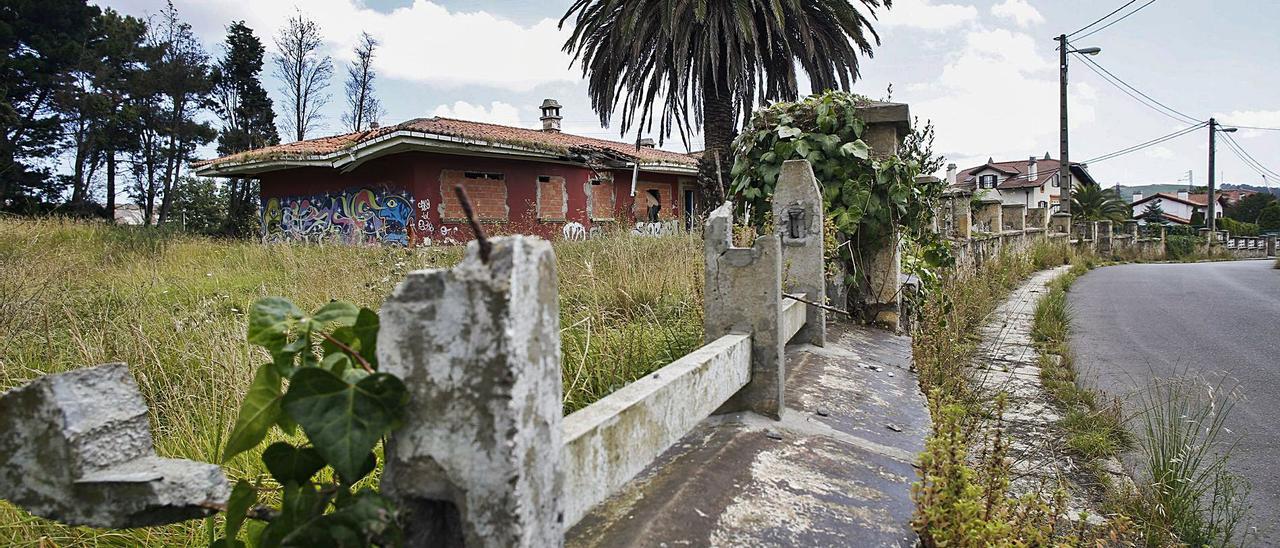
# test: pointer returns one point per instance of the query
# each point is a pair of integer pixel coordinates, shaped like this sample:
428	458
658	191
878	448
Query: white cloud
423	42
998	97
1256	118
1019	11
922	14
497	113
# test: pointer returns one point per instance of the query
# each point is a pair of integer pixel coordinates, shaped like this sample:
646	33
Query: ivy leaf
243	496
300	504
358	520
857	149
344	421
787	132
339	312
260	409
269	322
292	464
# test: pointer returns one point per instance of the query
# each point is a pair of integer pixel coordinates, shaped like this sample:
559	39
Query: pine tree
1153	214
248	121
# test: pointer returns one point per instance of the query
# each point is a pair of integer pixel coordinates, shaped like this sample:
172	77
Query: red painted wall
420	173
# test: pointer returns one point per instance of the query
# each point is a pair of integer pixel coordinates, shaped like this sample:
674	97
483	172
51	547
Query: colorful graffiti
353	216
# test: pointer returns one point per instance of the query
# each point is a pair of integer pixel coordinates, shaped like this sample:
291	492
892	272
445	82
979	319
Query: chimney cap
550	103
1031	160
1046	156
951	166
647	143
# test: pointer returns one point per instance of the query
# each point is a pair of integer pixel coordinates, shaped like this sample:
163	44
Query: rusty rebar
481	239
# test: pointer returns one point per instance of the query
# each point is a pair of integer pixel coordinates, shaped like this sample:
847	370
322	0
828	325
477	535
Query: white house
1178	208
1034	182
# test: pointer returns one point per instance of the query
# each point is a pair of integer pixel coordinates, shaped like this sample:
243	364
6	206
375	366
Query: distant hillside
1147	190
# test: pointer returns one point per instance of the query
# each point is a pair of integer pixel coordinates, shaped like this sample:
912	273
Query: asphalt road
1133	322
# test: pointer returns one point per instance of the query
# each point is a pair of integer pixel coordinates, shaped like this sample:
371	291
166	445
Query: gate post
477	461
797	212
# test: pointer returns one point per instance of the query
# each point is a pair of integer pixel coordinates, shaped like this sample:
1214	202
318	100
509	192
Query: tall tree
184	83
1249	207
305	73
41	42
710	62
363	108
248	121
122	57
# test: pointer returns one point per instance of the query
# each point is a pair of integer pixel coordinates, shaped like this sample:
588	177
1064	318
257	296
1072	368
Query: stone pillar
1131	228
1271	246
884	276
1104	237
961	216
76	447
1014	217
743	294
1037	218
478	346
797	212
988	217
1060	223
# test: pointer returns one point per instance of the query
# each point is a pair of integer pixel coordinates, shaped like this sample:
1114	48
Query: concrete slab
835	471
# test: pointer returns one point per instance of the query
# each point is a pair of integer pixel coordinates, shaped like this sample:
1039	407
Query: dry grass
173	307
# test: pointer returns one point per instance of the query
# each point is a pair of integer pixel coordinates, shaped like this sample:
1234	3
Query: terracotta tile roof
1200	199
552	142
1017	171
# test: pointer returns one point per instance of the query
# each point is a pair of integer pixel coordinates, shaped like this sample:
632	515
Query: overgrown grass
961	498
1094	427
174	308
1187	495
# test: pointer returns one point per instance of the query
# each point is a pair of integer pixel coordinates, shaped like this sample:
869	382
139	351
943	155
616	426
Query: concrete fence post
1271	246
76	447
798	214
962	215
743	294
1060	223
1014	217
477	461
1105	243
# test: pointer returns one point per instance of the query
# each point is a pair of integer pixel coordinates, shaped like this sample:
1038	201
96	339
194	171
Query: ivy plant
343	406
870	198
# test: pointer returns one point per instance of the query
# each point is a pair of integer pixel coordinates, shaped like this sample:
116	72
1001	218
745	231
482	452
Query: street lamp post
1211	219
1064	163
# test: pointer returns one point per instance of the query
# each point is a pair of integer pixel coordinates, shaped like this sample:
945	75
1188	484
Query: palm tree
1091	202
709	62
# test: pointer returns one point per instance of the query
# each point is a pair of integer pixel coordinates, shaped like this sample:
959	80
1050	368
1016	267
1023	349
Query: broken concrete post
1271	246
797	212
884	278
1104	237
478	346
743	294
76	448
1014	217
1060	223
988	217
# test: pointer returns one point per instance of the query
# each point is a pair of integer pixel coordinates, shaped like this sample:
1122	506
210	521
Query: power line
1122	18
1103	18
1126	87
1146	144
1253	162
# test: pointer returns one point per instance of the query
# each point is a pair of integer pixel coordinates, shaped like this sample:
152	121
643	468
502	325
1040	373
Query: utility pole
1064	163
1209	221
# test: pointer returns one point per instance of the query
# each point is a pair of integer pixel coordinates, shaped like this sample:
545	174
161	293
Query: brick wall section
488	197
602	201
551	199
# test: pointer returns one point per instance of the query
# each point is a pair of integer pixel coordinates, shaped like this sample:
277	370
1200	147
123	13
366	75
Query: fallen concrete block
76	447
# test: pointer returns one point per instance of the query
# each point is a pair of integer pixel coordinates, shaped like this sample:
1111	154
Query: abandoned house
394	184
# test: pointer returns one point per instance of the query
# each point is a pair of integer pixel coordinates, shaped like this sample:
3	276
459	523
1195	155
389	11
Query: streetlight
1211	216
1064	165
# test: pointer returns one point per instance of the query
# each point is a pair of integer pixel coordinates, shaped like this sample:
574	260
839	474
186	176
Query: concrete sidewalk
835	471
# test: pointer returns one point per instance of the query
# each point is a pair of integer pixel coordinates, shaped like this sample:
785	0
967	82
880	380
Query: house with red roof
1179	208
395	184
1034	182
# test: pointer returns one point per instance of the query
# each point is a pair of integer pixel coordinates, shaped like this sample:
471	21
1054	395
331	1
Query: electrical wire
1146	144
1122	18
1150	101
1103	18
1239	149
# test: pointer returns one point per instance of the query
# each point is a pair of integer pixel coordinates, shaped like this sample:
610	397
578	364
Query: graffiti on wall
353	216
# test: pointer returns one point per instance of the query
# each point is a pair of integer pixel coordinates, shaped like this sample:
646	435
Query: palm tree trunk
717	135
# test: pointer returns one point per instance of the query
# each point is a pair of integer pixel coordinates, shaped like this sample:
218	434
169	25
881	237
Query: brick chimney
550	115
951	175
1032	172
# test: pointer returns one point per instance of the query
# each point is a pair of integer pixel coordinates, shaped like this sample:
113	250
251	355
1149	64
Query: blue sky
985	72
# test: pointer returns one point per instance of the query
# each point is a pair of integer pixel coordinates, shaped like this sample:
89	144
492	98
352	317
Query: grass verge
174	308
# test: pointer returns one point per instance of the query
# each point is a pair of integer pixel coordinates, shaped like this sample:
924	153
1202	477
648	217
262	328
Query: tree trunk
111	186
717	133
